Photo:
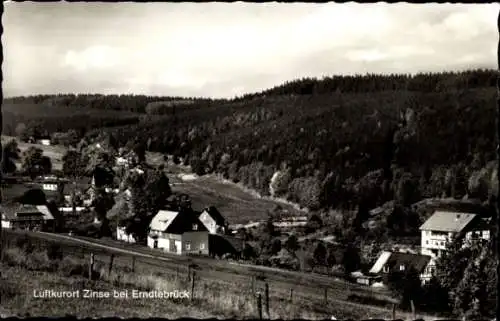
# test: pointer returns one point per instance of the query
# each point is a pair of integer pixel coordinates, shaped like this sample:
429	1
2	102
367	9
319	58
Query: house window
188	246
195	227
401	267
386	269
202	246
427	242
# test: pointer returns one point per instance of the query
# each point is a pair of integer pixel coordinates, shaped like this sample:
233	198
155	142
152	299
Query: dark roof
215	214
11	210
416	261
178	222
221	244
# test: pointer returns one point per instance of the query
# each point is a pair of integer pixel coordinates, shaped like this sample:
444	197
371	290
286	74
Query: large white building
443	226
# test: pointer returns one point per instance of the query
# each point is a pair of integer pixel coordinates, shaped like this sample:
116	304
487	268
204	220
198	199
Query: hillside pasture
236	204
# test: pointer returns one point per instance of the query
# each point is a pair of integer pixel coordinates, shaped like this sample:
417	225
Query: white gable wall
6	224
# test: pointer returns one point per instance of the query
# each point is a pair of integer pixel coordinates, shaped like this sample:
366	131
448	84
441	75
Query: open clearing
55	153
236	204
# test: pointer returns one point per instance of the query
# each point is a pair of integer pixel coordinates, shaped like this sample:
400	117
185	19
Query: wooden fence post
325	296
192	285
91	266
394	311
266	293
414	314
111	263
253	284
133	264
291	295
259	305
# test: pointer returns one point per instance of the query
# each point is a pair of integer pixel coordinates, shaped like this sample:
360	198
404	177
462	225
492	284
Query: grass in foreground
25	272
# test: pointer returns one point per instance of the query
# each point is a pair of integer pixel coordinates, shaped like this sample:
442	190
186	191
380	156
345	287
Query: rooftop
11	212
445	221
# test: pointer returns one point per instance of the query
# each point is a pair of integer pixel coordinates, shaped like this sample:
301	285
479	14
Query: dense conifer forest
351	142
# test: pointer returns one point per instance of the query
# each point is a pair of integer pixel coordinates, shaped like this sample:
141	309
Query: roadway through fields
280	282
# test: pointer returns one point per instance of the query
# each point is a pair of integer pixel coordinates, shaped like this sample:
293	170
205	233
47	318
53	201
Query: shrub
14	256
70	267
54	252
39	261
8	289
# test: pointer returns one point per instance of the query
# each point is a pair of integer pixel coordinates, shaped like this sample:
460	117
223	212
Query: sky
222	50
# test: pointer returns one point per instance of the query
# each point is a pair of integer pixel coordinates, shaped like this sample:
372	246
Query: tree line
351	149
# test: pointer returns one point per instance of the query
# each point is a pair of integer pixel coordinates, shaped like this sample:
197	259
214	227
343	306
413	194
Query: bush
26	244
14	256
39	261
71	267
367	300
8	289
54	252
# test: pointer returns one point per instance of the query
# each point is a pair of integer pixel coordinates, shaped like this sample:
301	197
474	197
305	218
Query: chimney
457	218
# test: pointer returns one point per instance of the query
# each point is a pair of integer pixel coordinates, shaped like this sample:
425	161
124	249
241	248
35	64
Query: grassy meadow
26	268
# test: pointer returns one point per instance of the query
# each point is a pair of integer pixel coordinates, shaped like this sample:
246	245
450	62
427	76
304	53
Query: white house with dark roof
443	226
178	232
391	262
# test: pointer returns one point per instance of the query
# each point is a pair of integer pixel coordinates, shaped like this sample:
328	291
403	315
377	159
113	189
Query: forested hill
352	141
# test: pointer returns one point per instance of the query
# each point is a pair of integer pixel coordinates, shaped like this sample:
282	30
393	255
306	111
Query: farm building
27	217
390	262
443	226
179	232
213	220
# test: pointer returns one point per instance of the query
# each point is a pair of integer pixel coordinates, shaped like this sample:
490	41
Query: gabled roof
162	220
416	261
215	215
445	221
176	222
10	212
379	264
47	215
393	260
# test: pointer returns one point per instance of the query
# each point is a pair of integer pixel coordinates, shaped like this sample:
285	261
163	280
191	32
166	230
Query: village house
27	217
213	220
179	232
44	141
51	183
442	227
390	262
122	235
